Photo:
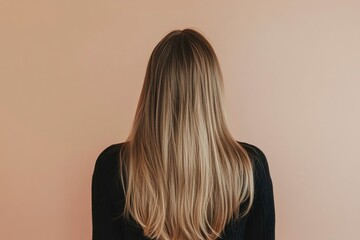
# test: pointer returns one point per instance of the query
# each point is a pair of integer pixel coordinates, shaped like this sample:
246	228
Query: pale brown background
71	72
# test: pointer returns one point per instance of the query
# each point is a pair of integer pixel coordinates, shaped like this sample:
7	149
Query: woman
180	174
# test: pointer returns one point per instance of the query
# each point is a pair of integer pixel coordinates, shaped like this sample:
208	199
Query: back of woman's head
186	176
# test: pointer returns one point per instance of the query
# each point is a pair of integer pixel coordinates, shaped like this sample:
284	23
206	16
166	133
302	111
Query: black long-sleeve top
108	202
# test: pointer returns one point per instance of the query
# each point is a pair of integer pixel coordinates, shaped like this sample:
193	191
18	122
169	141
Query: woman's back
183	175
108	202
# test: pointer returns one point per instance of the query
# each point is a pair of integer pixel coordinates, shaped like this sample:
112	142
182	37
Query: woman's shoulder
259	160
105	172
112	149
253	151
107	160
262	212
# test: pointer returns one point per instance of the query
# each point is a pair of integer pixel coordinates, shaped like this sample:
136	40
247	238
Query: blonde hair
186	176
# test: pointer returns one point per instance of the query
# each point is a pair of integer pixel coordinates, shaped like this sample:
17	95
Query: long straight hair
185	175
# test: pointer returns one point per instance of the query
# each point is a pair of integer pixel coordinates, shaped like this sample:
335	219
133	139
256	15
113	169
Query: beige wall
71	73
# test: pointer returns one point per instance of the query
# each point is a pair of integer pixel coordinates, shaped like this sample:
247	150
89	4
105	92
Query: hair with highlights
185	176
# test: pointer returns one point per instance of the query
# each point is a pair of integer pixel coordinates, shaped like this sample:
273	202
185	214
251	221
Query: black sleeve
261	219
102	197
